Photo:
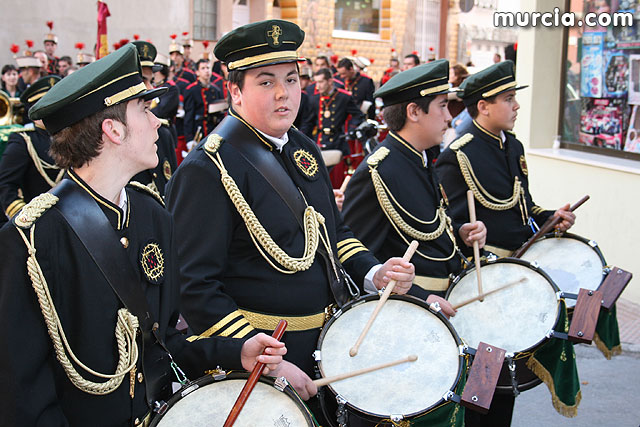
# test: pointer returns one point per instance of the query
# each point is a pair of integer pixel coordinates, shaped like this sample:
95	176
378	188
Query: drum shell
208	380
331	392
524	377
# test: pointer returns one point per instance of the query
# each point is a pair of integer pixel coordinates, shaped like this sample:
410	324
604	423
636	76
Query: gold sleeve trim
345	241
230	331
225	322
15	207
351	253
348	247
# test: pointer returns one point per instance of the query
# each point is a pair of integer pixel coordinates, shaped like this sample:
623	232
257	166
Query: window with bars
357	16
204	19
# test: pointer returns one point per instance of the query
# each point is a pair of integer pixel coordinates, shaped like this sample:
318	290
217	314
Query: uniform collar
500	139
277	142
118	215
408	150
269	141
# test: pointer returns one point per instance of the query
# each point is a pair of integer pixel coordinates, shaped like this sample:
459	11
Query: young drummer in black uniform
327	113
394	196
157	177
359	85
100	258
260	235
197	98
490	161
26	165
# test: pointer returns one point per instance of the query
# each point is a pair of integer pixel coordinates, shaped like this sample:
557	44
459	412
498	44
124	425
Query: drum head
211	402
403	327
571	262
515	319
331	157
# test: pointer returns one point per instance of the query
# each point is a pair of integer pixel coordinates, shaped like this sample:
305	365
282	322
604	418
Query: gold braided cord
125	333
401	226
40	164
261	238
517	198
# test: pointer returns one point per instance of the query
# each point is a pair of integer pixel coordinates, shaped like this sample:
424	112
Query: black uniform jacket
18	169
412	183
221	269
35	389
495	164
361	88
196	108
326	117
167	162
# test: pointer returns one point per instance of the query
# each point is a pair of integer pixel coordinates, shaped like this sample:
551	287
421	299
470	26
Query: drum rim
407	298
582	239
524	263
232	375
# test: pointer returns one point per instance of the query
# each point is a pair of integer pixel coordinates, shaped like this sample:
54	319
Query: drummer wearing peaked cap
394	195
240	200
157	177
93	310
489	160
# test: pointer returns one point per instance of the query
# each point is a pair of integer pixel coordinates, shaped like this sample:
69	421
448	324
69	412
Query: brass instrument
11	110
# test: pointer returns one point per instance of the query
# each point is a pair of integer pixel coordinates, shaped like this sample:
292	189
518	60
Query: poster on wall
592	65
632	143
602	123
634	79
616	74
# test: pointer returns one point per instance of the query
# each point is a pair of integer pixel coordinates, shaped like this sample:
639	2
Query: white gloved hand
191	144
180	113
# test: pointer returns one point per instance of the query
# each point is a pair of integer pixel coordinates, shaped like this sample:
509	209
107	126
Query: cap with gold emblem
50	37
84	58
262	43
489	82
175	46
429	79
146	52
114	79
37	90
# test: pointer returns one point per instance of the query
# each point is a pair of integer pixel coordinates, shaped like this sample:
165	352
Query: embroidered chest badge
166	169
152	262
523	165
306	163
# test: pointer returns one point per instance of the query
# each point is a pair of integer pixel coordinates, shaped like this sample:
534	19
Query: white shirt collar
279	142
122	203
503	136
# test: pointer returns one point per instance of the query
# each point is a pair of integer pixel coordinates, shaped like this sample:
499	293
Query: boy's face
503	112
269	98
435	124
141	135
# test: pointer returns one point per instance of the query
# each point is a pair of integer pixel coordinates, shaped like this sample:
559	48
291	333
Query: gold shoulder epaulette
34	210
378	156
461	142
214	141
164	122
146	189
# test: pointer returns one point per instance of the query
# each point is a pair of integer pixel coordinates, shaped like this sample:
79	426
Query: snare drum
208	401
516	319
404	326
573	262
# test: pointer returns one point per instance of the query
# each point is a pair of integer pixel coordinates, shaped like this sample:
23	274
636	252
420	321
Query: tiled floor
628	321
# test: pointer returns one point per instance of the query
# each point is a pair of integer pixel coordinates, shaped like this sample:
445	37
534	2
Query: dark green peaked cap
262	43
109	81
146	52
37	90
429	79
489	82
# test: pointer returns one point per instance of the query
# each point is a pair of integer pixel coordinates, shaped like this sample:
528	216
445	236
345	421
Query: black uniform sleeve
28	368
356	115
13	168
189	114
371	112
310	120
455	187
168	105
204	304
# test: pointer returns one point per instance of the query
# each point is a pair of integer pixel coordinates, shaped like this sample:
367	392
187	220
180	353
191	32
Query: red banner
102	46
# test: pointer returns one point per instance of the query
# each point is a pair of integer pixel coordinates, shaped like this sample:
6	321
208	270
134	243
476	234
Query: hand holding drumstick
476	247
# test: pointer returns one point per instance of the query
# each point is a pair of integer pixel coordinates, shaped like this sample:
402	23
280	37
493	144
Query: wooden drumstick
343	187
548	225
328	380
476	248
252	381
385	295
481	296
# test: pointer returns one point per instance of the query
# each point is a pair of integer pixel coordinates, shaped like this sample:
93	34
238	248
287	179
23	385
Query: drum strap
244	140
